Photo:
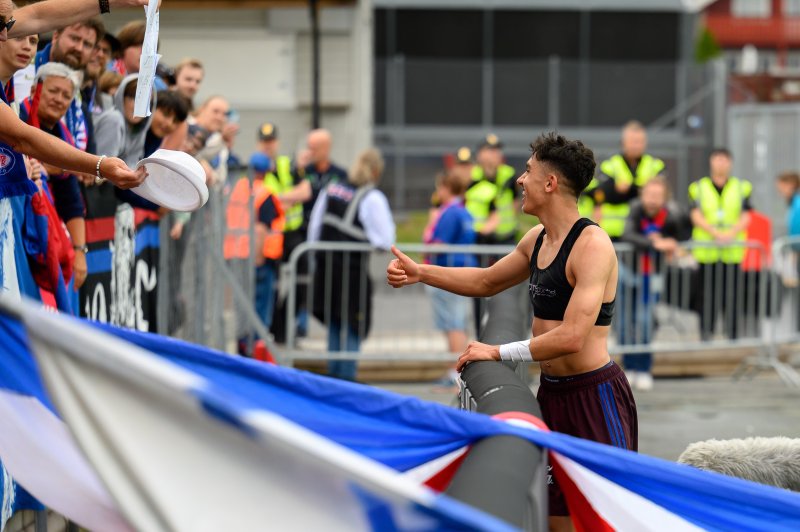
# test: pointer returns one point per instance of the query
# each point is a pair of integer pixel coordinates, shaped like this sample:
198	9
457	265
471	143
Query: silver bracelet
98	178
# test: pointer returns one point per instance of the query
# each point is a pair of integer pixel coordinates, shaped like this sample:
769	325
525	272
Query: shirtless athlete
572	270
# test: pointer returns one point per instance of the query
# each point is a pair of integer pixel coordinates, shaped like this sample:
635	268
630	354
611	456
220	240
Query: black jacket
675	226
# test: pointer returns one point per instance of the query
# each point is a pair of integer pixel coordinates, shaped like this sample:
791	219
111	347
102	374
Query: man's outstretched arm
472	282
50	15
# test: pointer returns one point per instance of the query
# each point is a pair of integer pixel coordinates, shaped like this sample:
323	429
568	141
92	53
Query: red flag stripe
441	480
584	517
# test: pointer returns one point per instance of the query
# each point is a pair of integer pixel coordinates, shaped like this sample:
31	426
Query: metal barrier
202	297
784	329
665	303
674	303
705	296
401	325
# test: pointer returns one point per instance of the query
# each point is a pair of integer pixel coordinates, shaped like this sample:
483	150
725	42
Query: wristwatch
83	248
104	7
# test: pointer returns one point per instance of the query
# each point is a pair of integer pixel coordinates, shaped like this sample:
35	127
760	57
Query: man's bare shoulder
526	243
594	247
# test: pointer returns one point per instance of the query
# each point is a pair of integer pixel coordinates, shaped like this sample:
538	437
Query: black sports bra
549	288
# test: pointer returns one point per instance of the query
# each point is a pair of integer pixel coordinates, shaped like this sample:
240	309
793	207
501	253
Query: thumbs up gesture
402	271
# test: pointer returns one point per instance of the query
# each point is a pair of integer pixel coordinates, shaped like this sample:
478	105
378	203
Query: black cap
116	47
267	131
491	141
166	73
464	155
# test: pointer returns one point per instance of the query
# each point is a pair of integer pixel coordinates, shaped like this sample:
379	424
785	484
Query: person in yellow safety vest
492	197
720	211
280	178
267	229
622	176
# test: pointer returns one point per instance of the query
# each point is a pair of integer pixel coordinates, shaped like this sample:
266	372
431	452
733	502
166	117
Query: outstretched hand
116	171
402	271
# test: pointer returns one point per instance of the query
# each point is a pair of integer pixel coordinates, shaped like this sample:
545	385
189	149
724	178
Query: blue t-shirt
454	226
793	216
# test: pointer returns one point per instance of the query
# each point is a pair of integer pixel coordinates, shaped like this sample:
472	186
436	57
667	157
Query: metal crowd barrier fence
202	296
784	332
703	296
393	324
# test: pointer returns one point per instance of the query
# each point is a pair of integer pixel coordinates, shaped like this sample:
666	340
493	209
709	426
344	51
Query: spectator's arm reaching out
46	148
43	17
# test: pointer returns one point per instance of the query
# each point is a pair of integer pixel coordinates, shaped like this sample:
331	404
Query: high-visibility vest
282	181
722	211
585	201
613	216
236	244
477	199
504	203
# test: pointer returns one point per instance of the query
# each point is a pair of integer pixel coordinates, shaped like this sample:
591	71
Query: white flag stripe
172	463
330	455
84	342
425	471
41	455
620	507
172	466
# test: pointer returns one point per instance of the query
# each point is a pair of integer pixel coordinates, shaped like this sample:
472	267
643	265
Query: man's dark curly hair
570	158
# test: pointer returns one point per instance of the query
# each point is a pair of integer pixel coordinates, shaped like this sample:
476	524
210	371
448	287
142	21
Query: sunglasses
7	24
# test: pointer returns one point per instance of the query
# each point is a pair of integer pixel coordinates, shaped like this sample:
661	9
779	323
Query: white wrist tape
516	351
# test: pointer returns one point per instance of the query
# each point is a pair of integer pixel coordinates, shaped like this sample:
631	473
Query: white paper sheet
147	62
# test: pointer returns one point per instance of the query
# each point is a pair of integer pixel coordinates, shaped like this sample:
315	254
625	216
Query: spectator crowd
83	243
76	238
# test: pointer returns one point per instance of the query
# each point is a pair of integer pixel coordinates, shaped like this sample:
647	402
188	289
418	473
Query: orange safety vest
237	236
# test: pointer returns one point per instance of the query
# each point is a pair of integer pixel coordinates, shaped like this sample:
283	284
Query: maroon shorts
596	406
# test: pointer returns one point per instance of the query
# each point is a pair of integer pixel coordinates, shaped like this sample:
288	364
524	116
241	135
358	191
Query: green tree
706	48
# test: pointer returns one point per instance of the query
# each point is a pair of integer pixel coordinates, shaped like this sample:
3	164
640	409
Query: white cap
175	180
